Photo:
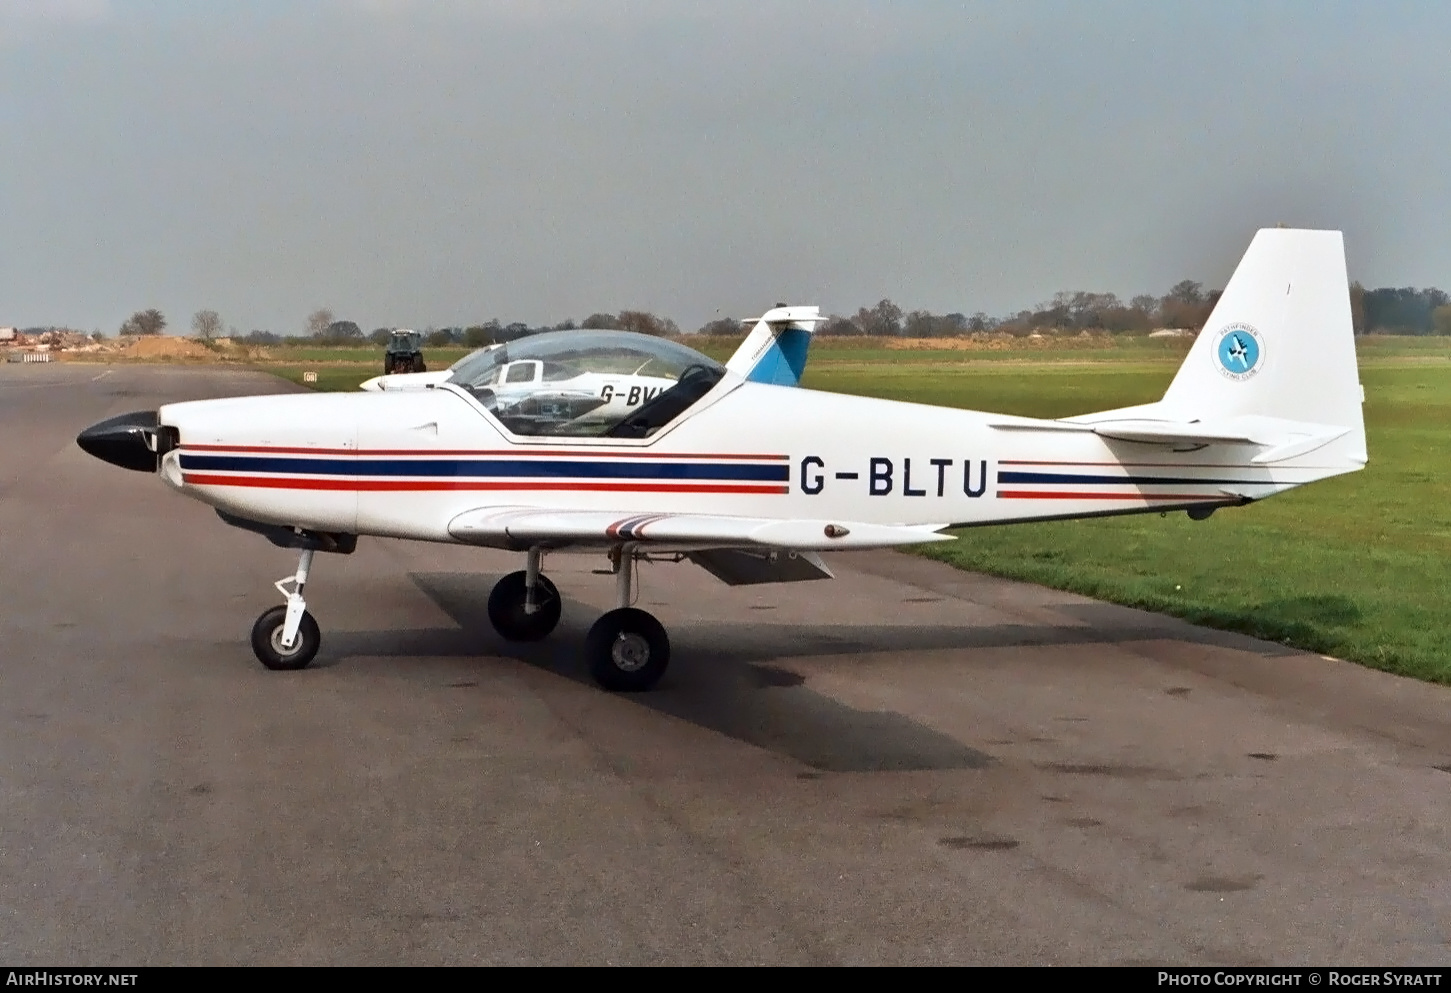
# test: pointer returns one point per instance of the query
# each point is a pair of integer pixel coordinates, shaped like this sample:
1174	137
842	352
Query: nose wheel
287	636
269	645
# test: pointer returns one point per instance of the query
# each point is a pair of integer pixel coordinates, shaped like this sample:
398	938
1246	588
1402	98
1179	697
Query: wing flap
754	566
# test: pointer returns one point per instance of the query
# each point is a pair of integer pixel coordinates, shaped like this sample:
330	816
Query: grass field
1358	567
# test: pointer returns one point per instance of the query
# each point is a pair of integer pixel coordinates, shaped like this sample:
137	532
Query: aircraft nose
128	441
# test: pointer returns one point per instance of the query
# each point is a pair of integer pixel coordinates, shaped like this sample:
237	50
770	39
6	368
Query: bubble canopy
618	384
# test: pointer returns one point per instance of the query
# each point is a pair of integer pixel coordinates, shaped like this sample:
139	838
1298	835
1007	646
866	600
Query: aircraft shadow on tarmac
721	677
716	679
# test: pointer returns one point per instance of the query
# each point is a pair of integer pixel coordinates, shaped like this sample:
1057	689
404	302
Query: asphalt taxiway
905	765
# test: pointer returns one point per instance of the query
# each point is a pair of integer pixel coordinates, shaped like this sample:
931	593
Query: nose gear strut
287	637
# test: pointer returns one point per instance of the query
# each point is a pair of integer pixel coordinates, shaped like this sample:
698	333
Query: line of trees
1400	311
1187	305
321	328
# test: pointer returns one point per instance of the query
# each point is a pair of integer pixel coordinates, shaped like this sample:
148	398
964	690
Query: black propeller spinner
132	441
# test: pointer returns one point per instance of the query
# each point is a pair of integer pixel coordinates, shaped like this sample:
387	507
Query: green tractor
404	354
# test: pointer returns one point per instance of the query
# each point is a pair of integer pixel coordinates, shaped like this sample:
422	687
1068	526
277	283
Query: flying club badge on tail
1239	352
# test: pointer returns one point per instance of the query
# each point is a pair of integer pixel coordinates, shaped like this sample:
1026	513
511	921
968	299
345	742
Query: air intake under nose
131	441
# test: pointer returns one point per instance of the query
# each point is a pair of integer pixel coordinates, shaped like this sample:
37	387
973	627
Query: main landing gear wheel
267	640
509	608
627	650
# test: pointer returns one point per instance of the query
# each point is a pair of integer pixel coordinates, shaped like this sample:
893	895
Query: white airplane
749	480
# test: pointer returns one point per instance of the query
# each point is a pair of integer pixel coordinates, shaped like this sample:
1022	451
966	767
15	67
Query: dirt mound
165	347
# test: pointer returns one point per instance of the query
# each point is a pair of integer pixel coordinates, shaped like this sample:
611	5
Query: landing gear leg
525	606
287	637
627	649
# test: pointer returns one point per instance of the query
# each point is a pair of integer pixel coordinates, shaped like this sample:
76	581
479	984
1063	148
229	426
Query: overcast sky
439	163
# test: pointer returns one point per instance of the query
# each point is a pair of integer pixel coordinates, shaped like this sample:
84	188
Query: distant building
7	334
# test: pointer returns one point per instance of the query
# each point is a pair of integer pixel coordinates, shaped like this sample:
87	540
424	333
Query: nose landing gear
287	637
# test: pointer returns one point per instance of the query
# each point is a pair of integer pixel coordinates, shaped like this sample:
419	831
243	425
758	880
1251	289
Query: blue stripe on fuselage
530	468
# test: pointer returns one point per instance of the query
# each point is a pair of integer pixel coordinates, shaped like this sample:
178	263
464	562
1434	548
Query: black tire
267	632
506	608
627	650
418	365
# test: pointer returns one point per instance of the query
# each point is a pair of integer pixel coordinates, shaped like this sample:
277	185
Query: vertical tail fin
775	350
1275	365
1280	342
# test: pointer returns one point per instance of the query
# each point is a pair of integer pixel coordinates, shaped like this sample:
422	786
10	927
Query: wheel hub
281	649
630	651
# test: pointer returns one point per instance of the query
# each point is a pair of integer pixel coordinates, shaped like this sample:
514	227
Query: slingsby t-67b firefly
747	479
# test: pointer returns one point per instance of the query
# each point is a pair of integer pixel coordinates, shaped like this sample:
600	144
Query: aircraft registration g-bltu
750	480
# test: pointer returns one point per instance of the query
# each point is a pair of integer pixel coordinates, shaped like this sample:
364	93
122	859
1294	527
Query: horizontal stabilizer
521	527
1169	433
1283	439
1029	424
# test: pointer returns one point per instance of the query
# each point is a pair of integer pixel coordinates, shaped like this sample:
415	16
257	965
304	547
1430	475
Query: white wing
521	527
